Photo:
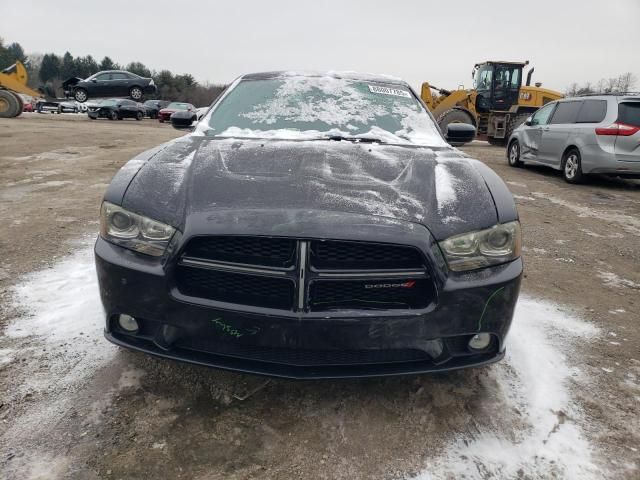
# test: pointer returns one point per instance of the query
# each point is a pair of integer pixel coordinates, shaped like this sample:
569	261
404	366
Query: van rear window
629	113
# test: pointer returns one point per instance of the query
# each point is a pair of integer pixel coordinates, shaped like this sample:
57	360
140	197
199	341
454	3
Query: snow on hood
440	189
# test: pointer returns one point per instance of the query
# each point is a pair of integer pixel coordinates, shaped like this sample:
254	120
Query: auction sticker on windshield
389	91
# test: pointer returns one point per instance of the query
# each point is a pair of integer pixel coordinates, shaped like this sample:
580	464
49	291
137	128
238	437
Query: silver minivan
581	136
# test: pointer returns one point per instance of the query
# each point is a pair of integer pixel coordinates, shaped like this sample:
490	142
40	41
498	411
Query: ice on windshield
295	107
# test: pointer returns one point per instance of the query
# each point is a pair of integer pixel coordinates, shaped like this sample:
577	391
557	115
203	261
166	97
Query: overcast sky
566	40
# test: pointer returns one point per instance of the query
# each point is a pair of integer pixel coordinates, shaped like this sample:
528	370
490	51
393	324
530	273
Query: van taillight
618	129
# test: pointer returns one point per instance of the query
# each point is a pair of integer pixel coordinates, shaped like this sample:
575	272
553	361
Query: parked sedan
311	226
582	136
68	107
116	109
165	114
153	107
109	83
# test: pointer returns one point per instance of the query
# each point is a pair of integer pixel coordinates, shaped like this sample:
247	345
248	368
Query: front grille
340	255
256	290
304	275
370	294
262	251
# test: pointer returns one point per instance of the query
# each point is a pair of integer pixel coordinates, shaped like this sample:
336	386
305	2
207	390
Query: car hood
438	188
70	82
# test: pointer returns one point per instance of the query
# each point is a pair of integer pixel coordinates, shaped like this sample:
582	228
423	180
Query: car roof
115	71
605	96
350	75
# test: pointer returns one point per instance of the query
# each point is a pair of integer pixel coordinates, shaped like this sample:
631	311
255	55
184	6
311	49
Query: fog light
480	341
128	323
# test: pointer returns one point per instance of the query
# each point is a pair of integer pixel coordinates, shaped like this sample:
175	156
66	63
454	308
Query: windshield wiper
354	139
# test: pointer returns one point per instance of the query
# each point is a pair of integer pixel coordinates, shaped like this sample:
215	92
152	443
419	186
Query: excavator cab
497	84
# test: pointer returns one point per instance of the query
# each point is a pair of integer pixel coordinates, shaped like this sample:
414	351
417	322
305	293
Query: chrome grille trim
229	267
302	283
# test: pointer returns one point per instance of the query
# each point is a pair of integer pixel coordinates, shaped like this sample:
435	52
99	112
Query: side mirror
460	133
182	120
529	121
94	80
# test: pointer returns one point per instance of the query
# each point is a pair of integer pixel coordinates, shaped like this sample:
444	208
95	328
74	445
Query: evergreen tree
50	67
108	64
68	67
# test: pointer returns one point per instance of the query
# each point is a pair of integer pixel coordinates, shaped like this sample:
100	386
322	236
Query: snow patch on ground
523	197
626	222
614	280
6	356
533	388
598	235
62	325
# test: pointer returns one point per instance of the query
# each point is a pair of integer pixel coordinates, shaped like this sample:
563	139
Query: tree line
48	71
620	84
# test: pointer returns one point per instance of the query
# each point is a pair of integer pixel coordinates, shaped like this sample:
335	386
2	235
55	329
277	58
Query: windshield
306	107
108	103
483	77
178	106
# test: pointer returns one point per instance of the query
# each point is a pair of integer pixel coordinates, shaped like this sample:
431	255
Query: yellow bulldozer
496	105
13	80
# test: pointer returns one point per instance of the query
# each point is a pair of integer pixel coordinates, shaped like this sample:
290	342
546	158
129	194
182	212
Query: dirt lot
565	402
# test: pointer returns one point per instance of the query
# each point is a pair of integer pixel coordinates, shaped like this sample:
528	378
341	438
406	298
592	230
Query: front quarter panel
120	182
502	197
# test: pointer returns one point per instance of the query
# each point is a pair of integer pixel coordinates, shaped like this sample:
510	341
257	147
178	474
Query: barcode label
389	91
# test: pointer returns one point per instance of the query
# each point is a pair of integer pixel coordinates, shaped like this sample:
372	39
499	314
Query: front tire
9	105
135	93
513	154
80	95
572	167
113	115
139	116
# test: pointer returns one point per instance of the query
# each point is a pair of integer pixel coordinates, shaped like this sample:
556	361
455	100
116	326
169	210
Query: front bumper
306	345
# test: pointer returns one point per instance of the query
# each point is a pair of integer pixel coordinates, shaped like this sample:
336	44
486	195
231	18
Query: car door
99	84
128	108
532	134
118	84
556	133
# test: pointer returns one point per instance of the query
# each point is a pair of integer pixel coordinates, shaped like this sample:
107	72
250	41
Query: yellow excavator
496	105
13	81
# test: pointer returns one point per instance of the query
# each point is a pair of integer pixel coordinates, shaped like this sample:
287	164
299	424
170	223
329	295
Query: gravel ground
563	404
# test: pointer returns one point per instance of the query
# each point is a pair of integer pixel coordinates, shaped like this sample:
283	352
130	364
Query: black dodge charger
311	226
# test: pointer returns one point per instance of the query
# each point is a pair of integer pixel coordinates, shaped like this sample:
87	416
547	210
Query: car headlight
474	250
133	231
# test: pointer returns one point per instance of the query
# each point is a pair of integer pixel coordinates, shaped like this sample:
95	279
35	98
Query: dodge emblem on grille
407	284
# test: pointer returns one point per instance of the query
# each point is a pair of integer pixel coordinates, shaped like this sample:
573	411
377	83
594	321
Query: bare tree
626	82
622	83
